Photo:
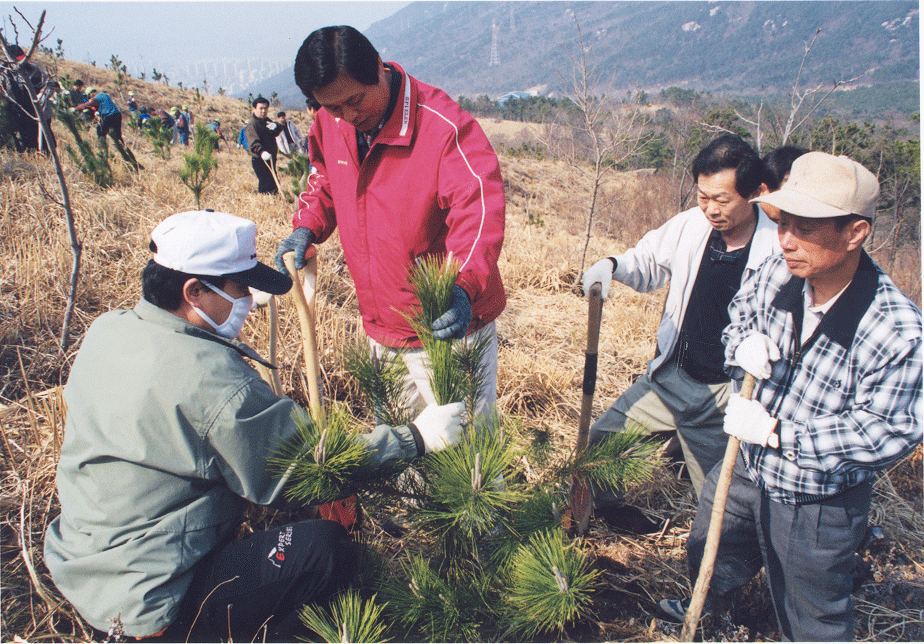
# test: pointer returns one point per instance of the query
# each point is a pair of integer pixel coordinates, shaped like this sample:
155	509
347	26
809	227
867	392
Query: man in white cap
168	430
836	349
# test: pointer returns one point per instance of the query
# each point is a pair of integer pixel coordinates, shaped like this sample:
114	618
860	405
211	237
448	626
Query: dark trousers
263	579
267	184
111	125
807	551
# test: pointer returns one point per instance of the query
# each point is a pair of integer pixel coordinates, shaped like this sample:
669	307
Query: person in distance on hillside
77	95
110	118
289	139
190	120
168	431
182	125
260	136
835	347
16	100
215	126
778	163
705	253
403	173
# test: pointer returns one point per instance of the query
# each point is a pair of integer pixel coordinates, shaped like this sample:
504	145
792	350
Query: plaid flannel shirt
848	400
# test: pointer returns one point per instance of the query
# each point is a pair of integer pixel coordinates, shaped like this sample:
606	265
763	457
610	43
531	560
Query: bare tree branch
597	139
76	245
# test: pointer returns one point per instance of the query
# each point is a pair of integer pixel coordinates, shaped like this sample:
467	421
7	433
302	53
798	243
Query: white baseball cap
204	242
822	185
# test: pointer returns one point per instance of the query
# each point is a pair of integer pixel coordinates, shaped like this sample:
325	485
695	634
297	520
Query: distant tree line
673	125
533	109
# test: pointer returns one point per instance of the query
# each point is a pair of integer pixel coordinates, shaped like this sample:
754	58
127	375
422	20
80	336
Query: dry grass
542	339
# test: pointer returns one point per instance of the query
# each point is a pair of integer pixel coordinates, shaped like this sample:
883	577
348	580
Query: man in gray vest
168	432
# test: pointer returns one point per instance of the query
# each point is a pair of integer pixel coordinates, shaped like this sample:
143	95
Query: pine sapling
93	164
159	135
623	459
430	608
433	281
299	168
470	498
197	173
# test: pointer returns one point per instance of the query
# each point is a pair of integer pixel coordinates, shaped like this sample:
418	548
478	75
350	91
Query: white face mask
240	307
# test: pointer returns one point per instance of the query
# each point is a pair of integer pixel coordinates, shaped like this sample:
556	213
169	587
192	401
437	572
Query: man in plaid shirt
836	349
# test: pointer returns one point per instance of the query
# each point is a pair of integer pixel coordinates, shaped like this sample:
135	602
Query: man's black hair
163	287
259	100
329	50
280	115
730	151
779	163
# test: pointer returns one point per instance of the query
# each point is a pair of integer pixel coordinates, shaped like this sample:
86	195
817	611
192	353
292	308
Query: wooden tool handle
309	339
580	496
715	527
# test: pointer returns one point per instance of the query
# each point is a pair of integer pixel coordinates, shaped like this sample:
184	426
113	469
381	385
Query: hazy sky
168	35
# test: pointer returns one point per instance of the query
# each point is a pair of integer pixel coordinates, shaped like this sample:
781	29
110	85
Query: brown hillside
542	336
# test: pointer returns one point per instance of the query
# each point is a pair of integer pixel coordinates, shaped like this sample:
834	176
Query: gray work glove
440	426
266	156
298	241
601	272
454	322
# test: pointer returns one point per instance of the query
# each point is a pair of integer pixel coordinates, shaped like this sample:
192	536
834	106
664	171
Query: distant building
509	95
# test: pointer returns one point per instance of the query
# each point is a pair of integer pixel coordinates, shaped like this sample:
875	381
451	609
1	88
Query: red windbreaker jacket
430	184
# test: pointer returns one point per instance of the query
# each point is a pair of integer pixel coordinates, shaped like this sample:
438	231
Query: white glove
260	298
440	425
266	156
601	272
749	422
271	127
755	353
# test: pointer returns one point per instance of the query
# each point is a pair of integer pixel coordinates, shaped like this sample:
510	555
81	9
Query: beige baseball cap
822	185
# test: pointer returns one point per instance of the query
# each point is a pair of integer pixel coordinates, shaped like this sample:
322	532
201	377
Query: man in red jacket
404	173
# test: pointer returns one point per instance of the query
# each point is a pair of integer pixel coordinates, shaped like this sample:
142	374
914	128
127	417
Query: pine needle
433	281
551	583
321	465
430	607
349	619
381	379
470	495
622	460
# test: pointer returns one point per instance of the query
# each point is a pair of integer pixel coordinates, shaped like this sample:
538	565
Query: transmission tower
495	58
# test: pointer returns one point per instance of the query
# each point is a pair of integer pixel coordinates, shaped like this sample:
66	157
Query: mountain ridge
729	48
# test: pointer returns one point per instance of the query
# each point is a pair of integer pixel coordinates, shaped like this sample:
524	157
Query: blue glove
298	241
454	322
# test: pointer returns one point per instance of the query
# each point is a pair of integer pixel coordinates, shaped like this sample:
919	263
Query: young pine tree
494	558
197	173
159	135
94	164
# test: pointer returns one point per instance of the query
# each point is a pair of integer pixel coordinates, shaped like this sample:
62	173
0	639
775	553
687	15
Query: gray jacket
168	429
